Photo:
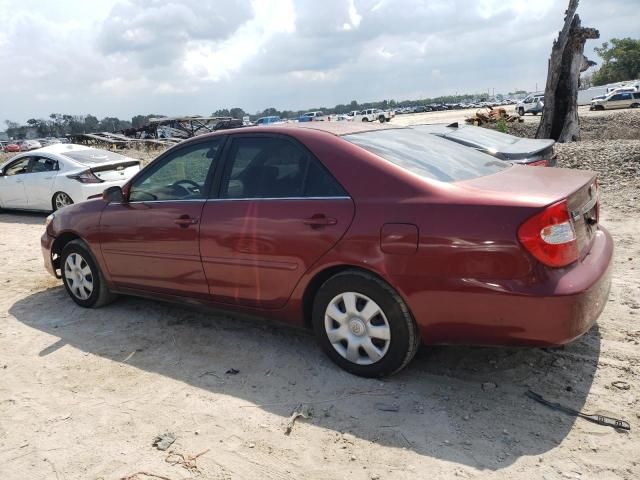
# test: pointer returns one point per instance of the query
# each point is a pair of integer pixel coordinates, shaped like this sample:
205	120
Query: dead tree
560	116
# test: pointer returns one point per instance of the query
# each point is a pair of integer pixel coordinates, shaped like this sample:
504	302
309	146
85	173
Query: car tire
600	108
82	277
380	345
534	113
635	105
365	119
381	119
60	200
521	112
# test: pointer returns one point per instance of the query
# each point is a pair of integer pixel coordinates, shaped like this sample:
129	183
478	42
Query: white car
533	103
56	176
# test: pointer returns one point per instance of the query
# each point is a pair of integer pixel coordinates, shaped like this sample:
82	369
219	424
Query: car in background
311	117
533	103
56	176
431	242
11	147
617	99
28	145
525	151
269	120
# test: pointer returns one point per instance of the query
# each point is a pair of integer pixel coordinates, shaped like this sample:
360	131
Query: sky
180	57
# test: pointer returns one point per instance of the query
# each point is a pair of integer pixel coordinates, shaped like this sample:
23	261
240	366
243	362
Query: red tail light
539	163
550	237
86	177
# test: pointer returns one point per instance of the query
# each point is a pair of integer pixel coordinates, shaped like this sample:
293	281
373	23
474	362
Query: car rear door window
427	155
275	167
41	164
181	175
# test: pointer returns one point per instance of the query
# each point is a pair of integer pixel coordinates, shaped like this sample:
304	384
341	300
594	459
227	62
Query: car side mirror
113	195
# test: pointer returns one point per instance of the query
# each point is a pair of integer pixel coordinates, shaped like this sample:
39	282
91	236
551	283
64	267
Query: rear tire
363	325
60	200
82	277
635	105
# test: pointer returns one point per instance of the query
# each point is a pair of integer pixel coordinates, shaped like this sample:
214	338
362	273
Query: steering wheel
188	182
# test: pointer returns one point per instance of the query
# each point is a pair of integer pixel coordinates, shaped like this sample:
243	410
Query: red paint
451	251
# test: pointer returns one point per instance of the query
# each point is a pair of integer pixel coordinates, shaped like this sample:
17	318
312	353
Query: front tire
82	277
363	325
60	200
521	112
365	119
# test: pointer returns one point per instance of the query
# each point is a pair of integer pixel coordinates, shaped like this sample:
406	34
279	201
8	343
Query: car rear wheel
363	325
60	200
635	105
82	278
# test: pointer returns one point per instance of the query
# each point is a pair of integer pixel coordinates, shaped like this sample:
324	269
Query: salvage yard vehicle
533	104
11	147
311	117
526	151
430	243
617	100
56	176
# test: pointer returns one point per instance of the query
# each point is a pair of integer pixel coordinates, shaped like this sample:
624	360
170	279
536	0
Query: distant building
4	137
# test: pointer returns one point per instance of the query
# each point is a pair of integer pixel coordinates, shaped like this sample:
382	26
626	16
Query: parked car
311	117
59	175
617	100
526	151
533	103
269	120
11	147
431	242
28	145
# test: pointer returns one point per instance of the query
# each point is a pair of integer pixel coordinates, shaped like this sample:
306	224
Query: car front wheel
82	277
521	112
363	325
60	200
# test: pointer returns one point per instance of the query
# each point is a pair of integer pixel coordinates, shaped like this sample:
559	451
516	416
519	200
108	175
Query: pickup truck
311	117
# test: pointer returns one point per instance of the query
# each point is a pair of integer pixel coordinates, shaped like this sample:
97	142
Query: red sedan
12	147
379	239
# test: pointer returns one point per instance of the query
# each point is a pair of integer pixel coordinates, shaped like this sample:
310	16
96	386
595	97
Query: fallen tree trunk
560	115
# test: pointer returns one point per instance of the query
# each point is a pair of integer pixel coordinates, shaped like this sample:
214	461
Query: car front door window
182	175
18	167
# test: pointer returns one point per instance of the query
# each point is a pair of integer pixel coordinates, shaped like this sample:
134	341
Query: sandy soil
84	392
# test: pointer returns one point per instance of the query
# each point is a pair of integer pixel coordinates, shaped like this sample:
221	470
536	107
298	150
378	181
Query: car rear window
426	155
93	156
479	136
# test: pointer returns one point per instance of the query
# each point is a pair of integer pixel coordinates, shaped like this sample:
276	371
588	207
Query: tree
620	61
560	115
237	112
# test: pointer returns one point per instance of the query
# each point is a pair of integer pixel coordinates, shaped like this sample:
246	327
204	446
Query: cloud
189	56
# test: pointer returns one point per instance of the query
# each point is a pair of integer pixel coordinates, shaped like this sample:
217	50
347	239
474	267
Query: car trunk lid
112	172
541	187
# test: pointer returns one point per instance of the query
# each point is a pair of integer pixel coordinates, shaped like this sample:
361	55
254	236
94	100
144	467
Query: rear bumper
570	305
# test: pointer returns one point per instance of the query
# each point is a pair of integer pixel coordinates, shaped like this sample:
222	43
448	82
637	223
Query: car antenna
453	125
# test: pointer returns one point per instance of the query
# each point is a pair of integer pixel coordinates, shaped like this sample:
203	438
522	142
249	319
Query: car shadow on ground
461	404
25	218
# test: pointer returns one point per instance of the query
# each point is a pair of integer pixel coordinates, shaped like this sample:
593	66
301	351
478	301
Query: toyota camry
378	239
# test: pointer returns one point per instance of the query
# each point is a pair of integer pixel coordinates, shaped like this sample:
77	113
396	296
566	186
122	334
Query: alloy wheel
357	328
78	276
62	200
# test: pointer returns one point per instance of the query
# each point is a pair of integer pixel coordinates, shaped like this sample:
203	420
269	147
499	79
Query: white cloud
138	56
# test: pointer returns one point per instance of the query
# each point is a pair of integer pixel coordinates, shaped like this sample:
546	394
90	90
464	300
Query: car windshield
94	156
426	155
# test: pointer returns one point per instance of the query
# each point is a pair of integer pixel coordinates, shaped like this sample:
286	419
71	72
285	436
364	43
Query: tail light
85	177
539	163
550	237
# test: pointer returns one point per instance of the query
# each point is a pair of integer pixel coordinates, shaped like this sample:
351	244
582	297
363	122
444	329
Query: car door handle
185	220
320	220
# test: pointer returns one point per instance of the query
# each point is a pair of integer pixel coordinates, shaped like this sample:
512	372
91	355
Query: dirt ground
83	393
